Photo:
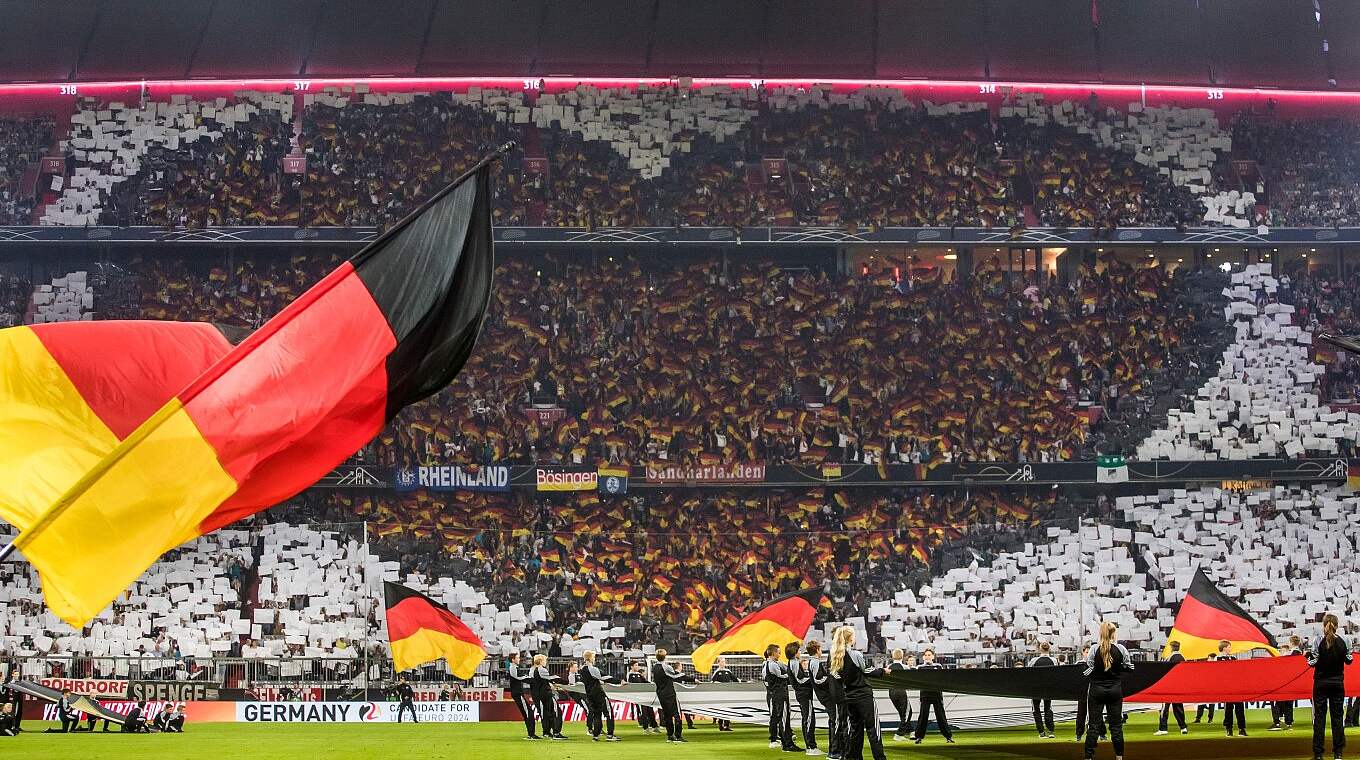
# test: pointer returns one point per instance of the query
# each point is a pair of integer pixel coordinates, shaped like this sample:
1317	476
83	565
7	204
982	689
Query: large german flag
264	421
1207	617
68	397
784	620
421	630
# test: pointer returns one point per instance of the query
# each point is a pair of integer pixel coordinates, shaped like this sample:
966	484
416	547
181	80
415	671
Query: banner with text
454	478
712	473
566	480
354	712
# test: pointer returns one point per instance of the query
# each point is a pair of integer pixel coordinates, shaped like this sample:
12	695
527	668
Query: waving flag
1264	679
66	400
1207	616
389	327
421	630
784	620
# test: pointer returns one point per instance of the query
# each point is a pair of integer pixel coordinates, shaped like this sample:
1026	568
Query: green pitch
503	741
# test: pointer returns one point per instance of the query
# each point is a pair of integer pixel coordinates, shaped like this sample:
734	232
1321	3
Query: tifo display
789	407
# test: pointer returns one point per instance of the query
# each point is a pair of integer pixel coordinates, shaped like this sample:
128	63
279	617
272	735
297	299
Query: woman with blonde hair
541	683
1105	667
597	701
848	665
1329	659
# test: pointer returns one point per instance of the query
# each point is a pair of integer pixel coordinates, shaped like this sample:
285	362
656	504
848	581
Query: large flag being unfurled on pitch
1207	616
265	420
421	630
784	620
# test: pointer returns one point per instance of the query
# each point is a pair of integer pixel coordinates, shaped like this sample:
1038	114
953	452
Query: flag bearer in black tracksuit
1209	707
722	674
776	676
900	701
1232	710
848	665
519	693
664	676
800	671
1329	659
1043	708
646	716
1173	709
598	712
1282	712
932	700
1105	667
822	684
541	686
1081	700
14	697
67	712
407	697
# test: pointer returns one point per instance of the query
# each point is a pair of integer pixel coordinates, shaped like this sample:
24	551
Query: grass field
502	741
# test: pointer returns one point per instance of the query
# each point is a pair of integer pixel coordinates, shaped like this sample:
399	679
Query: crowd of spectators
685	559
236	179
1310	167
23	141
1076	183
702	362
813	158
1327	302
14	296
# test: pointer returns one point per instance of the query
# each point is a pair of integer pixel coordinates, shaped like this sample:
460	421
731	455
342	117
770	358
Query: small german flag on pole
784	620
1206	617
421	630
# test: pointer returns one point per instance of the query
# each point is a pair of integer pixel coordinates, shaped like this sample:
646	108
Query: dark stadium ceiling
1259	43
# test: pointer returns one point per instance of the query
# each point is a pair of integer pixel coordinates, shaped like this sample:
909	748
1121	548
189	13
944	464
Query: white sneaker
813	752
1184	731
776	745
1159	733
899	738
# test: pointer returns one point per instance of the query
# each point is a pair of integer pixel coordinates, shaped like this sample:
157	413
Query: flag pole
368	629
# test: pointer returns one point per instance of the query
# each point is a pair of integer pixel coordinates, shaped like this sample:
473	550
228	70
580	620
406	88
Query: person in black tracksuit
776	676
1282	712
822	684
598	713
899	698
722	674
1329	658
1208	708
932	700
1232	710
848	665
67	712
800	670
541	686
1043	708
407	697
519	694
664	676
646	716
1169	709
14	697
1105	667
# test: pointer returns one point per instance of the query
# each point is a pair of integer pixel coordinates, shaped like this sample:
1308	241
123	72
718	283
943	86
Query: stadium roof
1253	43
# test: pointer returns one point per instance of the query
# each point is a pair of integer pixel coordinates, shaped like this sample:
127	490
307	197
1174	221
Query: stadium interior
851	296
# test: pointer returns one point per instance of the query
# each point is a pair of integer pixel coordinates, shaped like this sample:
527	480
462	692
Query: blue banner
453	478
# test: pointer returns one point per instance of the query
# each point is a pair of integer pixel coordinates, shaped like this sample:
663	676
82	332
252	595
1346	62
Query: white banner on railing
354	712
